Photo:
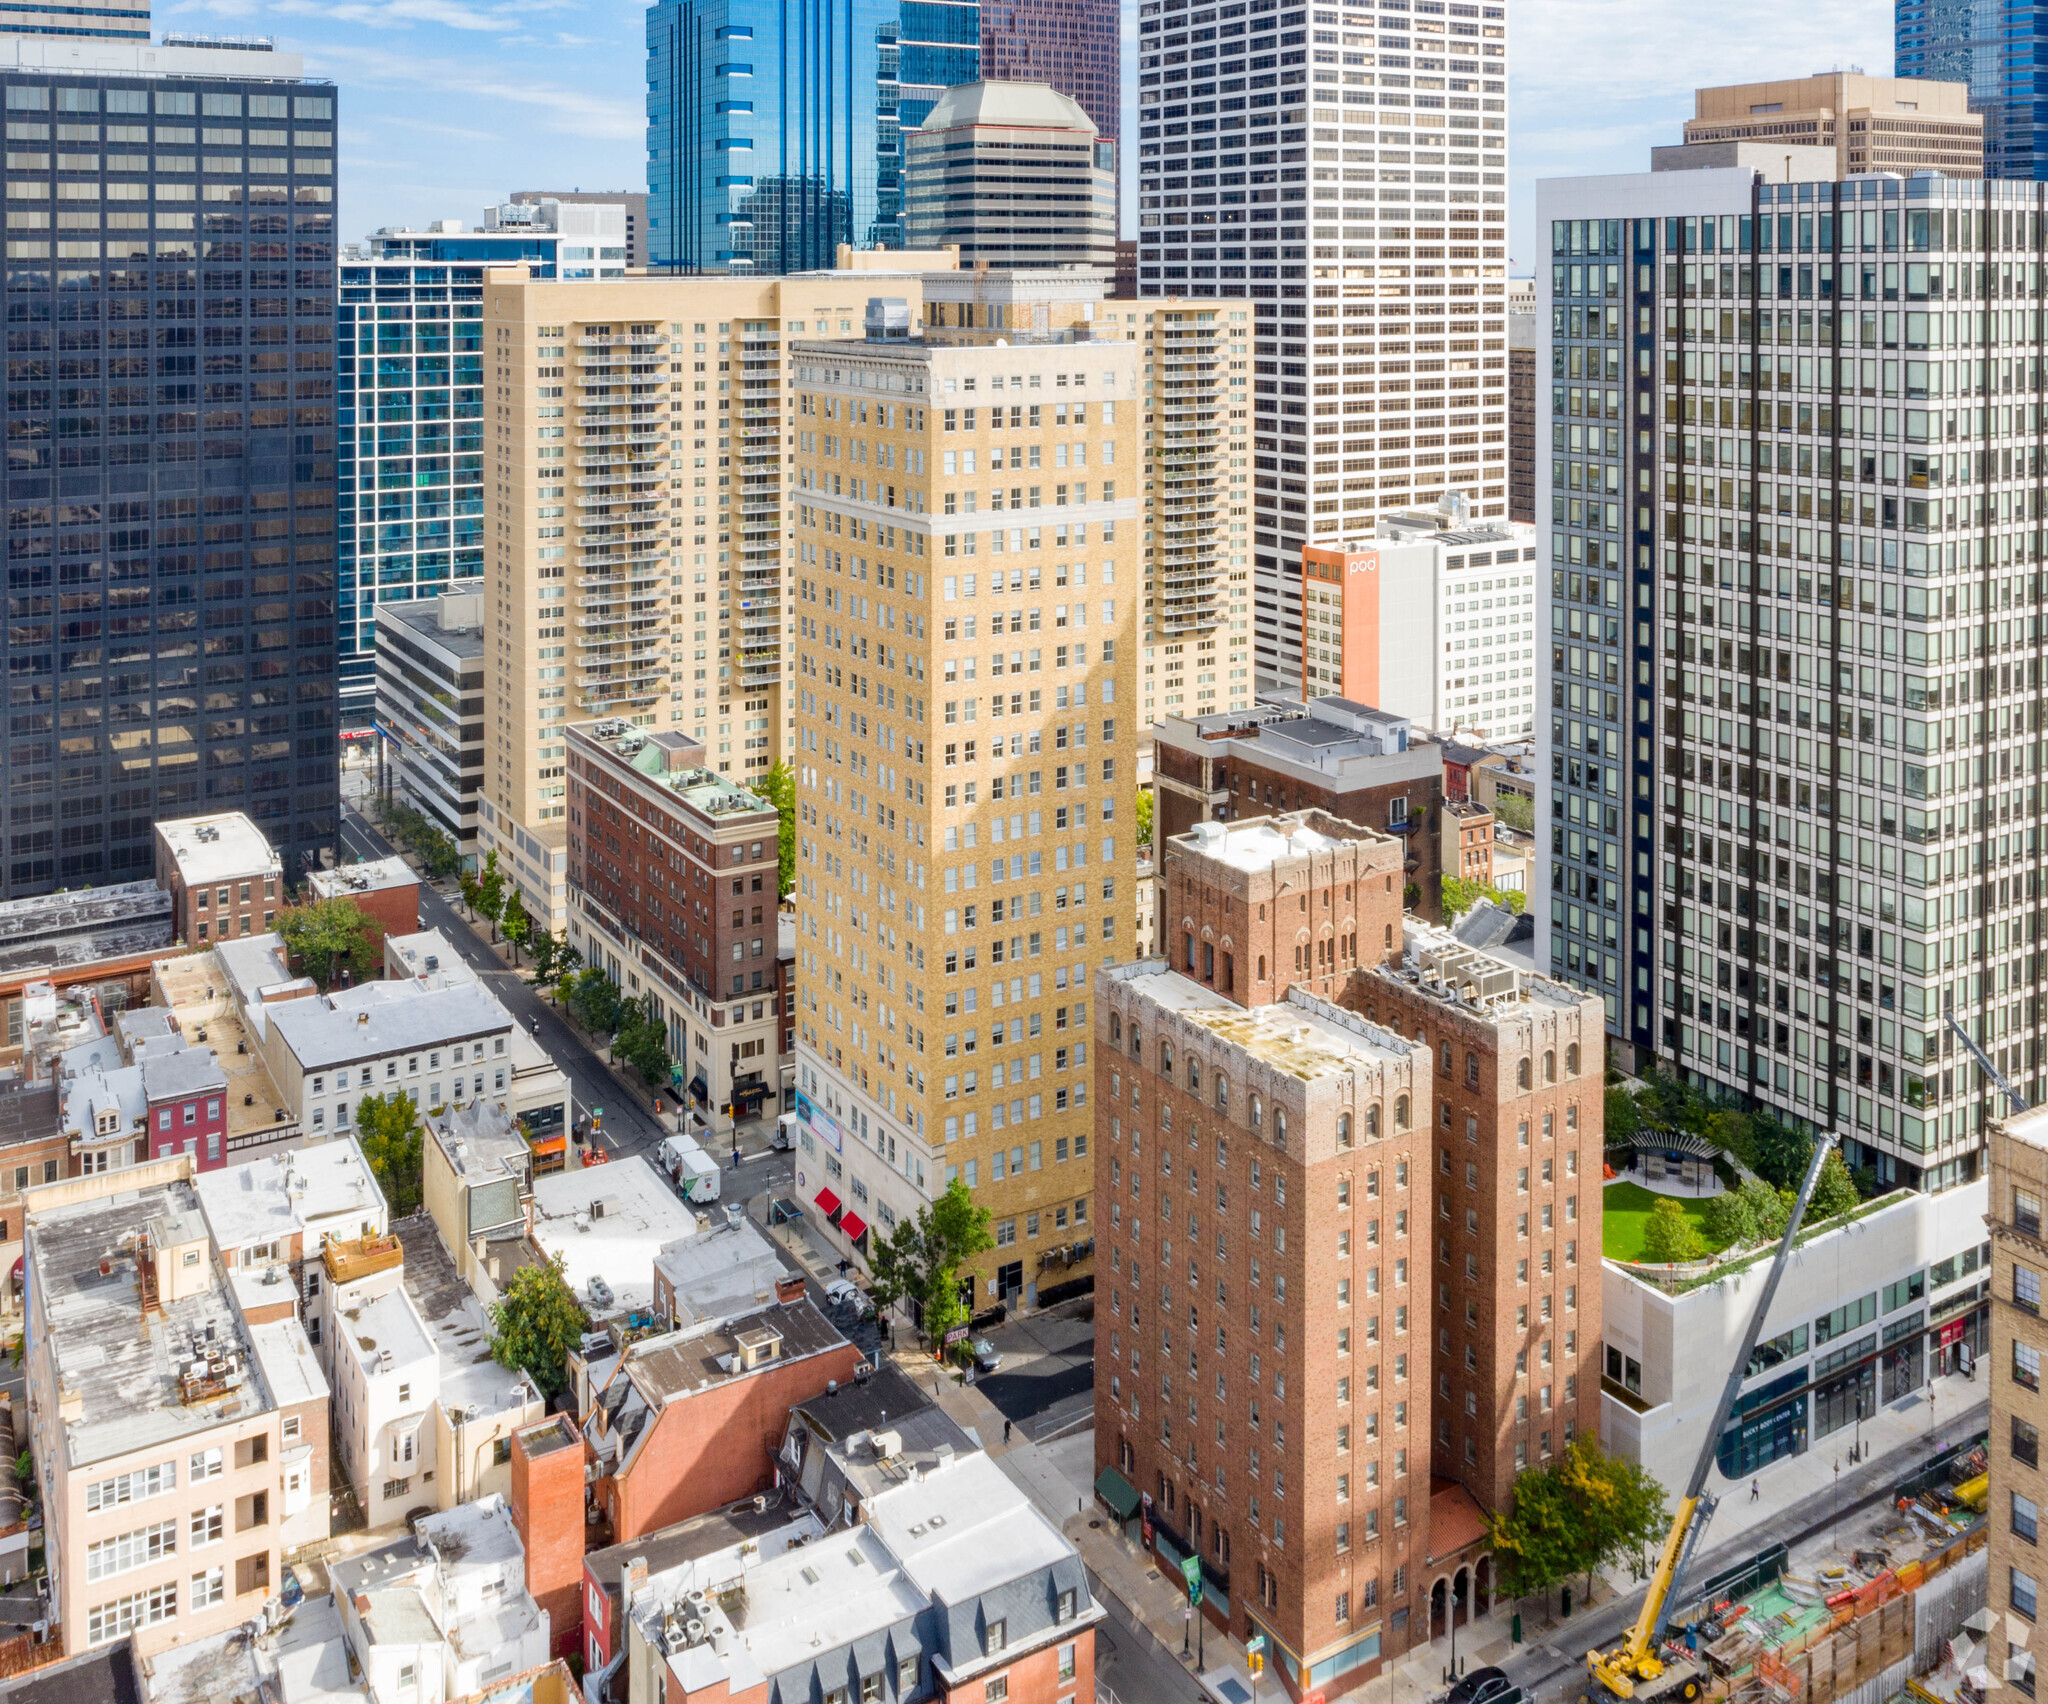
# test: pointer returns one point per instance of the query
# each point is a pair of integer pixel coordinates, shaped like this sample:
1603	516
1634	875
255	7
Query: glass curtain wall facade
1075	45
775	134
409	386
1795	675
169	422
1993	46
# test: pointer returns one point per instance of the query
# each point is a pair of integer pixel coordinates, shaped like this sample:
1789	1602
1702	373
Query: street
630	1126
1046	1384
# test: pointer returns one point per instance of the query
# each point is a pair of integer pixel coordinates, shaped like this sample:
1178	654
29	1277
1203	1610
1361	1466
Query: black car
1481	1686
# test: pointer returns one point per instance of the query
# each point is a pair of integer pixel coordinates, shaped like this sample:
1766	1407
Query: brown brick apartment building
673	890
1378	1286
1361	765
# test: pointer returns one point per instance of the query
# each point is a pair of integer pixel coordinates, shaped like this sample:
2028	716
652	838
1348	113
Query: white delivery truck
693	1171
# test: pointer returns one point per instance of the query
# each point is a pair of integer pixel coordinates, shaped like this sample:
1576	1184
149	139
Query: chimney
547	1513
789	1289
636	1576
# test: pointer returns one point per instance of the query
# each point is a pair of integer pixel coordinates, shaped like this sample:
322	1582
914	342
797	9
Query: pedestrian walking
1756	1489
1006	1434
735	1156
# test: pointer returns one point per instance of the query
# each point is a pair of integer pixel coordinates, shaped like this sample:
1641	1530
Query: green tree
517	925
1622	1513
1781	1152
1727	1220
490	893
330	936
536	1324
553	960
778	787
1835	1193
1538	1542
1623	1118
896	1266
388	1131
642	1041
1671	1235
1144	816
1733	1132
593	998
469	891
1768	1208
1515	811
920	1260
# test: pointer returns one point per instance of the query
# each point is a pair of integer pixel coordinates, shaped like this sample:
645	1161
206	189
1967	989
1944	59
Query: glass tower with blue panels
410	392
774	132
1995	47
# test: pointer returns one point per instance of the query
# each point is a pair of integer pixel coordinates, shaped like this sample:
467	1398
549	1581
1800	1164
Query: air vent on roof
810	1576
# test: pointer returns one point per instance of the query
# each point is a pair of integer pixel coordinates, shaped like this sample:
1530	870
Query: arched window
1279	1128
1443	1058
1522	1073
1372	1123
1571	1059
1194	1075
1116	1026
1471	1069
1166	1059
1550	1067
1390	929
1571	1116
1257	1109
1262	959
1222	1093
1343	1129
1400	1112
1137	1043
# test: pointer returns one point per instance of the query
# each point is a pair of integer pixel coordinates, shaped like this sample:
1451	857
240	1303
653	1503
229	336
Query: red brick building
385	890
674	893
1378	1143
1361	765
689	1421
223	876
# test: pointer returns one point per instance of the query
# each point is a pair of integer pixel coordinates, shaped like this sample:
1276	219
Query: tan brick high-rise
1386	1285
2019	1347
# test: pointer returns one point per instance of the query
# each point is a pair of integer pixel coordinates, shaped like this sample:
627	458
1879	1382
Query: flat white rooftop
216	848
610	1222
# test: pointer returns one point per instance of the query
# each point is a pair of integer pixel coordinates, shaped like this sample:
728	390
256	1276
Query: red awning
853	1224
827	1202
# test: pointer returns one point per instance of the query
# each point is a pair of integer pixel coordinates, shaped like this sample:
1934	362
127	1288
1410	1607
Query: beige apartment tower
1874	124
965	583
634	501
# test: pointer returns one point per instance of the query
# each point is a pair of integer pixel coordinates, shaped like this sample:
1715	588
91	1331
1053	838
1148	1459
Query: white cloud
585	112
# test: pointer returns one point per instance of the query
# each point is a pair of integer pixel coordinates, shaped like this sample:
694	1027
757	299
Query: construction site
1888	1605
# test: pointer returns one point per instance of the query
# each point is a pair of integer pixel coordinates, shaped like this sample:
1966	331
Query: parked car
987	1357
1480	1686
844	1291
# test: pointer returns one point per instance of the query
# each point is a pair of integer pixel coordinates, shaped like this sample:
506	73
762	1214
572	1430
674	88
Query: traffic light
1256	1662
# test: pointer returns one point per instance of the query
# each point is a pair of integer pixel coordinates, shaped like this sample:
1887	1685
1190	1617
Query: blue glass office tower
1994	46
169	472
409	389
774	130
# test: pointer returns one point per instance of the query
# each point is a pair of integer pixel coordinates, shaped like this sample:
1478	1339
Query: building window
995	1638
209	1587
2026	1366
2023	1594
396	1488
997	1689
121	1617
2025	1519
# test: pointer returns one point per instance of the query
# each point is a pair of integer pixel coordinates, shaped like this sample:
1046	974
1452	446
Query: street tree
517	925
490	893
1623	1514
1538	1543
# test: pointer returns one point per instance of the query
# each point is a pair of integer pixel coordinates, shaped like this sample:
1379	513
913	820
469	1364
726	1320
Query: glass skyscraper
1993	46
775	133
169	481
409	386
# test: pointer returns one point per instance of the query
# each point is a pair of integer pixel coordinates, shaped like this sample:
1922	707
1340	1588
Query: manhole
1095	1523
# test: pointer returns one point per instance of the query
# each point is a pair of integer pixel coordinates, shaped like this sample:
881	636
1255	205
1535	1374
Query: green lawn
1625	1215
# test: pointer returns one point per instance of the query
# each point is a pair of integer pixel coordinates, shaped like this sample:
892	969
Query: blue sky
449	104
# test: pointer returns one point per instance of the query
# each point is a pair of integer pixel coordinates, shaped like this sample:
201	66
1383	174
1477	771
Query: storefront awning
828	1203
853	1224
1118	1492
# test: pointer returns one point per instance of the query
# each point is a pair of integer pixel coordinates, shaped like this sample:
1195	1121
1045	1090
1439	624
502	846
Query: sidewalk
1060	1478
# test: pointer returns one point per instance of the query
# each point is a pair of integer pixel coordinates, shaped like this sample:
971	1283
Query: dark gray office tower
169	422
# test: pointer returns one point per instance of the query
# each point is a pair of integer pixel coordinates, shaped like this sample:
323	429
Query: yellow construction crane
1637	1668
